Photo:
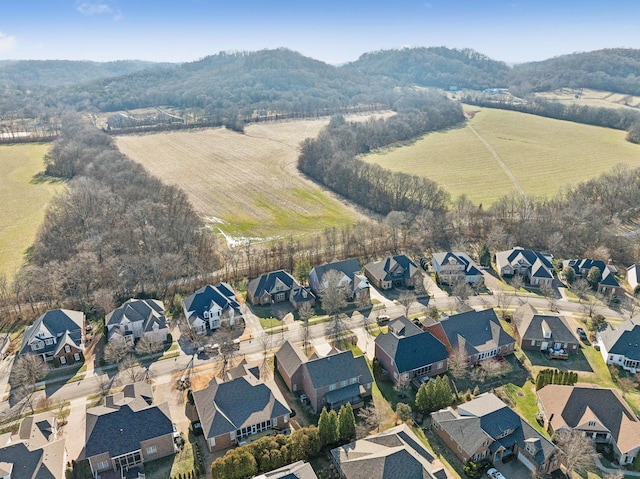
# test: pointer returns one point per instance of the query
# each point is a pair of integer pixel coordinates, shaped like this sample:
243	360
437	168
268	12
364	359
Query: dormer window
592	423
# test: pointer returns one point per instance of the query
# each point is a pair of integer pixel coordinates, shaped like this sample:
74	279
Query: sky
333	31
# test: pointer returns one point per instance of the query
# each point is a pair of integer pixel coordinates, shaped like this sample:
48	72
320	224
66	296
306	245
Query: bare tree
549	293
458	366
517	283
28	370
130	370
614	475
406	299
146	347
494	368
577	451
193	337
403	386
631	306
227	351
592	303
372	417
503	302
305	313
115	351
265	369
581	289
333	295
461	291
105	383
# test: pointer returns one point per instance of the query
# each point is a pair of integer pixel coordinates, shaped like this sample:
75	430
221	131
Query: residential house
407	352
35	451
535	267
478	333
296	470
395	271
608	283
541	332
277	287
357	284
240	410
394	453
485	428
211	306
633	276
57	335
328	381
600	413
127	431
135	319
451	268
621	346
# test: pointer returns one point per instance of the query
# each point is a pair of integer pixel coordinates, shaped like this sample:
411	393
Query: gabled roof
135	310
25	462
607	277
266	283
412	351
241	402
624	340
575	406
220	294
530	325
289	357
487	416
470	267
348	267
519	256
337	367
388	269
56	323
476	331
392	454
297	470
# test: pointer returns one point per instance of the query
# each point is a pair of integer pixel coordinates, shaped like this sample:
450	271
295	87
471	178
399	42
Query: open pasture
23	201
246	185
595	98
497	147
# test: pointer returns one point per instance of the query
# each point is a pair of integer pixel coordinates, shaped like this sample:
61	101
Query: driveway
513	469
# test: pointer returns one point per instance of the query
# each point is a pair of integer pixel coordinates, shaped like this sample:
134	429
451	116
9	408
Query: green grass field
23	201
542	154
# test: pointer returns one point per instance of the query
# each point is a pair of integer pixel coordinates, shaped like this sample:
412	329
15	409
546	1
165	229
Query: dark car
196	428
582	333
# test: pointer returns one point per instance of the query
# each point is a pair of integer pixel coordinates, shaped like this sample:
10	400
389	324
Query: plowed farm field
244	185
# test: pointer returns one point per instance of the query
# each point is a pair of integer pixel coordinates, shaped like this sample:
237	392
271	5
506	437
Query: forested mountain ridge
56	73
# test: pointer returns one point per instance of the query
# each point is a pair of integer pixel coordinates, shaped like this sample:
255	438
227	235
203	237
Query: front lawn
525	401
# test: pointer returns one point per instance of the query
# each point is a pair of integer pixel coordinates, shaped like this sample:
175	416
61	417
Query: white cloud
93	8
7	42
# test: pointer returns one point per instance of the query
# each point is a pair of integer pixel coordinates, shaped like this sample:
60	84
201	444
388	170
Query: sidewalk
613	471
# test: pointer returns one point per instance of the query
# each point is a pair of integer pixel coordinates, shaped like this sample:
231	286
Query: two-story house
277	287
485	428
137	318
356	284
534	266
407	352
330	381
608	283
600	413
391	272
451	268
57	335
211	306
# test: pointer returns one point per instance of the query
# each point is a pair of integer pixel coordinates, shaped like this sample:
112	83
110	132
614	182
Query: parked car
493	473
304	399
582	333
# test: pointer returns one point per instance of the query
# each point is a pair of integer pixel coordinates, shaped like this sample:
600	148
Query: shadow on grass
41	178
576	362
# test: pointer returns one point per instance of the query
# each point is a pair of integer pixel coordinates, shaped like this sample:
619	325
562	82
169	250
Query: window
343	384
533	342
36	345
67	349
102	465
63	360
592	423
232	435
152	449
353	380
76	356
332	387
440	364
274	422
48	341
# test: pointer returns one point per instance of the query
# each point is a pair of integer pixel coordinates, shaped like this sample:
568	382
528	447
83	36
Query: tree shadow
42	178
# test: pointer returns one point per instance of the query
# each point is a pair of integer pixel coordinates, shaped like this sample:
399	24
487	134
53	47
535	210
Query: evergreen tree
484	256
443	396
333	427
324	428
346	423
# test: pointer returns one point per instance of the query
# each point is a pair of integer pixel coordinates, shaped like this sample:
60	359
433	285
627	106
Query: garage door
524	460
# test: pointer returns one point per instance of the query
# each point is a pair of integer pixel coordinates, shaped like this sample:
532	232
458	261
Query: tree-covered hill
55	73
434	67
615	70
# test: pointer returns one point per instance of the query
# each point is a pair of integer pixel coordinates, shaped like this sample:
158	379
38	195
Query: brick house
57	336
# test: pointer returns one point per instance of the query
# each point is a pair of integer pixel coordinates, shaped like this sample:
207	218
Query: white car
493	473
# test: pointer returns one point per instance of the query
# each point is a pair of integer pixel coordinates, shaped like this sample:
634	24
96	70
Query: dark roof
392	454
607	278
46	462
477	331
470	268
289	357
403	326
120	429
348	267
297	470
530	325
220	294
232	405
414	351
624	340
266	282
389	269
58	323
335	368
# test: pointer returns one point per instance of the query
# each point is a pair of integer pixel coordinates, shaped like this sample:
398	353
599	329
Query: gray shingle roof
232	405
337	367
297	470
266	282
624	340
414	351
46	462
121	428
289	357
530	324
349	267
393	454
220	294
480	330
393	268
58	323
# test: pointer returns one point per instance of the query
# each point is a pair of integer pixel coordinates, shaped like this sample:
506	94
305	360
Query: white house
210	306
621	346
137	318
